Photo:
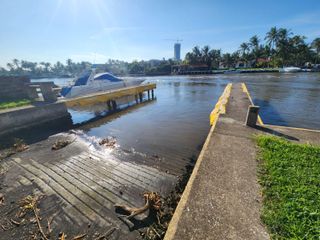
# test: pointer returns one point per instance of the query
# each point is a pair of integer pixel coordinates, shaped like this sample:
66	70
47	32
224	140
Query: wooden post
148	94
109	105
252	116
136	97
152	94
114	105
140	96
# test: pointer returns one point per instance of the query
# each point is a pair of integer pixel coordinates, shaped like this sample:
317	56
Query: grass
13	104
290	177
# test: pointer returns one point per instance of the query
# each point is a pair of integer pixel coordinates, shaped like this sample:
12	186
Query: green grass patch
13	104
290	177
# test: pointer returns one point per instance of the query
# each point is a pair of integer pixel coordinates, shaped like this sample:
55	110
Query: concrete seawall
13	120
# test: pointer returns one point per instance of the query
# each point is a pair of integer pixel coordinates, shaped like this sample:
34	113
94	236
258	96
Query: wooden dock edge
245	89
106	96
220	108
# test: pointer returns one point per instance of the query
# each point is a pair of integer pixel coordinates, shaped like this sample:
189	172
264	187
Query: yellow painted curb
220	108
245	89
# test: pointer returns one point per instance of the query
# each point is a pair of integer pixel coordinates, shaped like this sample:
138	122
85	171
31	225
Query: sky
98	30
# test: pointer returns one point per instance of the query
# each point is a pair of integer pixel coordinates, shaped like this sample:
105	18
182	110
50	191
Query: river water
173	127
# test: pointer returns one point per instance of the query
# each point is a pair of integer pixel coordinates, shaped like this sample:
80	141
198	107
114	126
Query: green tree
316	46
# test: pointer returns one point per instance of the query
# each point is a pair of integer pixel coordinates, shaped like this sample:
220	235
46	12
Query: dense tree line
43	69
279	48
71	69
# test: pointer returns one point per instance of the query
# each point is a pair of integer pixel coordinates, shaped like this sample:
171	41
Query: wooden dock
110	97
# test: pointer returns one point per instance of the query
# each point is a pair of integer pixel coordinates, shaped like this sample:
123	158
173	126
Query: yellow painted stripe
245	89
172	228
220	107
106	96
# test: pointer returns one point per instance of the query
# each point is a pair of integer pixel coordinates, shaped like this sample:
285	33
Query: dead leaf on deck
60	144
1	199
108	142
62	236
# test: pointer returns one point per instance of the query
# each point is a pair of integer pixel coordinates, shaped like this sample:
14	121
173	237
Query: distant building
177	50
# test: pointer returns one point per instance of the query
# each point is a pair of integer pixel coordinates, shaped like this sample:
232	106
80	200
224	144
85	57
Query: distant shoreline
195	72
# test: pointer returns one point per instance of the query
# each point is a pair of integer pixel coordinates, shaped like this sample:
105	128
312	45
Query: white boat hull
290	69
100	86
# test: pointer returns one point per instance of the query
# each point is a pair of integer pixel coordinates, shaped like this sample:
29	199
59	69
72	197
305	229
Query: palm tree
16	62
205	55
244	48
254	42
10	66
272	37
284	34
215	57
316	46
197	54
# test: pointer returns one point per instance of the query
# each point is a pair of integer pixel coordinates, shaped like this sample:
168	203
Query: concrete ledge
17	119
214	116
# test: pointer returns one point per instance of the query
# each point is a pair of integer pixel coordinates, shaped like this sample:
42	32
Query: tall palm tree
16	62
205	55
197	54
254	42
316	45
244	48
272	37
10	66
284	34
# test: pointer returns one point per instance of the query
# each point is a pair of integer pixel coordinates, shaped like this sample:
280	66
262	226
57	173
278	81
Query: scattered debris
152	202
163	216
30	203
20	146
1	199
108	142
15	222
61	144
107	234
79	237
62	236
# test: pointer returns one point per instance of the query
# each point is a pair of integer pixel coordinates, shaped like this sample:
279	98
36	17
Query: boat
90	82
290	69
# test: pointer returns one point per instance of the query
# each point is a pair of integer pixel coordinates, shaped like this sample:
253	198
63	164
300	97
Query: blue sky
96	30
